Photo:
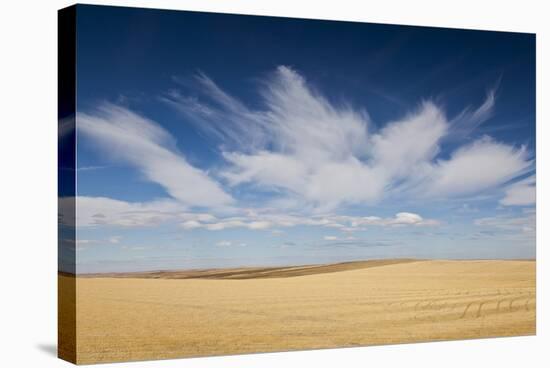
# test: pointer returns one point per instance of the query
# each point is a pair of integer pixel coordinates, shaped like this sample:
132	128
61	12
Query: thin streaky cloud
327	156
521	193
130	138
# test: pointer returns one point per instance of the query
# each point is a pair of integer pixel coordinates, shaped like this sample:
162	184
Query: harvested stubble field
196	313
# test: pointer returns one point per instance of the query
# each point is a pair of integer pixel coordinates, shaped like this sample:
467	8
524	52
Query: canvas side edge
67	184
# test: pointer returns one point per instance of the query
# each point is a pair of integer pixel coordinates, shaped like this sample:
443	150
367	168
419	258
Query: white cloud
101	211
134	248
115	239
478	166
403	147
267	169
191	224
253	221
313	153
330	237
525	224
130	138
521	193
227	243
256	225
106	211
467	208
83	243
400	219
469	119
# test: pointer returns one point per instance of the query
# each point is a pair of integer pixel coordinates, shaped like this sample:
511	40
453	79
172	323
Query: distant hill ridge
251	272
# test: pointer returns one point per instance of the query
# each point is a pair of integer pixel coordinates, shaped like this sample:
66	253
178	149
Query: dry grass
352	305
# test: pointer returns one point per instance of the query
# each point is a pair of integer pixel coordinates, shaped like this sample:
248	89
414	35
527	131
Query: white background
28	187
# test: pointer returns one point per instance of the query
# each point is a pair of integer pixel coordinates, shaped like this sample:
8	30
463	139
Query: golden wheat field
167	315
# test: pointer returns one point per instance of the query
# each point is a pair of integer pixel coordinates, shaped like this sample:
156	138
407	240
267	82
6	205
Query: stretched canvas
235	184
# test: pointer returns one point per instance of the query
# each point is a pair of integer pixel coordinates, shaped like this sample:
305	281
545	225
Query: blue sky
209	140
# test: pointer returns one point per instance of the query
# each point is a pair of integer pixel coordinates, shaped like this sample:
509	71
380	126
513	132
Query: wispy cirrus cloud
128	137
308	150
521	193
483	164
471	118
524	225
102	211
